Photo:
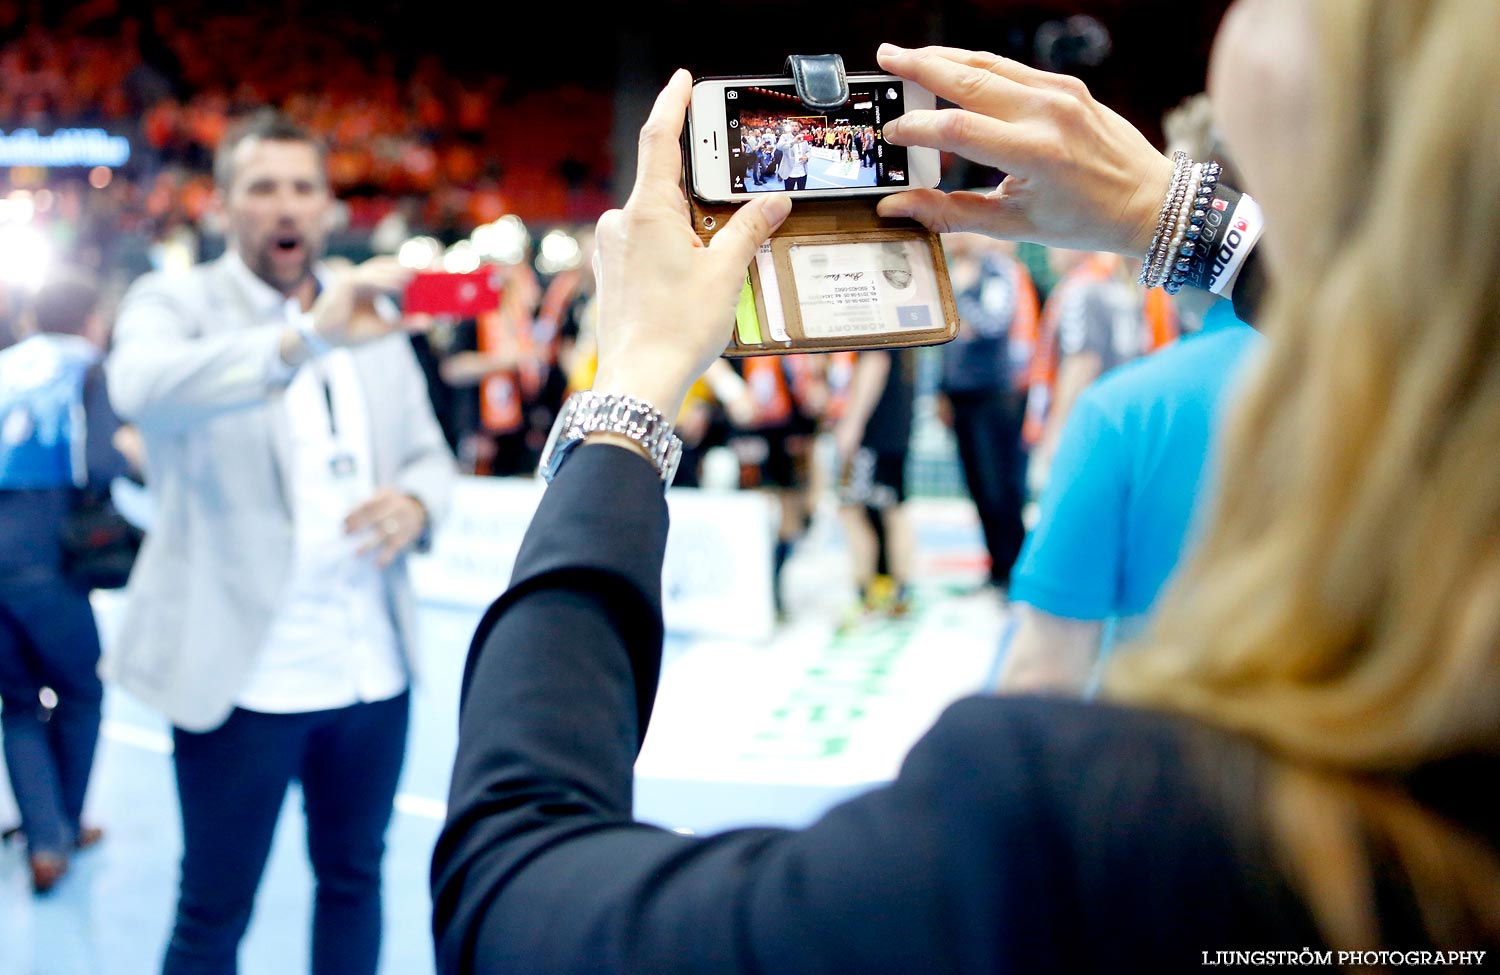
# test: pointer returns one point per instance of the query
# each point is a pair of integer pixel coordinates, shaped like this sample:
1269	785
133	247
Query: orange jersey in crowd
816	385
508	329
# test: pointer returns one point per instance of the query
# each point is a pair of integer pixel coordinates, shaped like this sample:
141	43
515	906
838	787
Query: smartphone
753	135
465	295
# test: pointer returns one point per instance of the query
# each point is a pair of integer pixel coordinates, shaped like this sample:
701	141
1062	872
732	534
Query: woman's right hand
666	301
1078	175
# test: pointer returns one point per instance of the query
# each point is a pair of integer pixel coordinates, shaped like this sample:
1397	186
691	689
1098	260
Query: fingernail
890	50
776	208
891	206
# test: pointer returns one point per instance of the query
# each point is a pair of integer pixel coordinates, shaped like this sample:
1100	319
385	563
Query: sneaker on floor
877	596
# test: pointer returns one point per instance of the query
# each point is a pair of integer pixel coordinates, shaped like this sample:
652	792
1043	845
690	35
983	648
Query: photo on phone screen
754	135
783	145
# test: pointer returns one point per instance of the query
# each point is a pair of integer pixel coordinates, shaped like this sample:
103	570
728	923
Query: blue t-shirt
40	448
41	395
1125	482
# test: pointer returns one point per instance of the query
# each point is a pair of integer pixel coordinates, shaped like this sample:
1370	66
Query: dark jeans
987	426
231	783
794	183
48	639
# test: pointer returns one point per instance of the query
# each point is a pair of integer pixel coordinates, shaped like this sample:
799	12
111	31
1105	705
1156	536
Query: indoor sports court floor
770	732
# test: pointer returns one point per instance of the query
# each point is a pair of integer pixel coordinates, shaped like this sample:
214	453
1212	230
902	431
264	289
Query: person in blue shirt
1125	489
1129	480
57	435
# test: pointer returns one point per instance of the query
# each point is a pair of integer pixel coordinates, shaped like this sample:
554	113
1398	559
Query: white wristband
1245	226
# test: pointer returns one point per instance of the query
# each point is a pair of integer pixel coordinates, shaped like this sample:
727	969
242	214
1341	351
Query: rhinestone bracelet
1190	256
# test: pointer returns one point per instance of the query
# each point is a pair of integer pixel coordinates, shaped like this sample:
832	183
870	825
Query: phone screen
777	143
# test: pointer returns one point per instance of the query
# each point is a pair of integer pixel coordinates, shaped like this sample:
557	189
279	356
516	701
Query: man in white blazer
294	459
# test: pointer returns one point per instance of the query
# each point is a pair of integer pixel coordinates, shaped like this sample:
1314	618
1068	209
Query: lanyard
293	307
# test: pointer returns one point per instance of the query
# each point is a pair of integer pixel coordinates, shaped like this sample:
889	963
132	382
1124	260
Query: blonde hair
1343	608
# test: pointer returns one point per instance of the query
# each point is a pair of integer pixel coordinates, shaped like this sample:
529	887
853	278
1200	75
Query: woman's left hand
1078	175
667	302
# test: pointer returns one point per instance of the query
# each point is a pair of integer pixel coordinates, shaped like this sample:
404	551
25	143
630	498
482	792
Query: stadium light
25	255
505	240
559	251
420	253
461	258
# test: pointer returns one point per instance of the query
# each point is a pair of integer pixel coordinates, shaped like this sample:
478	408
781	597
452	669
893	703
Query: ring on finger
390	526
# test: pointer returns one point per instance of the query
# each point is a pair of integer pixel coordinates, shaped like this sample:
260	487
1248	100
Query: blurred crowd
404	132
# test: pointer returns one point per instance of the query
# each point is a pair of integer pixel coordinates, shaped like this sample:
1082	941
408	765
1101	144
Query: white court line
154	741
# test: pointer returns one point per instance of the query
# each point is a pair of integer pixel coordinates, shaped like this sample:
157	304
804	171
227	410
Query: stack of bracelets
1203	233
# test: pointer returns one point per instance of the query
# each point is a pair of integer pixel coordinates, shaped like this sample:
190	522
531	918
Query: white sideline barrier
716	580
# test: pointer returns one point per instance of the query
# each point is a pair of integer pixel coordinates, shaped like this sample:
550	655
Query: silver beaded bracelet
1180	225
1155	267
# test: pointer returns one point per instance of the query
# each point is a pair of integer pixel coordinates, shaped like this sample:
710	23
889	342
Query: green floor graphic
845	684
820	714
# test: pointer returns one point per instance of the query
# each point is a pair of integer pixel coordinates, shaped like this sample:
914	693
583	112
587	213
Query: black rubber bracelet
1215	227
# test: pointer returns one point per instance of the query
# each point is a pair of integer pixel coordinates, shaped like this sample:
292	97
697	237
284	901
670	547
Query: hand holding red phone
355	307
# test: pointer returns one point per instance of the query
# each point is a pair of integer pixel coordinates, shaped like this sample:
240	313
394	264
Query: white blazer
195	368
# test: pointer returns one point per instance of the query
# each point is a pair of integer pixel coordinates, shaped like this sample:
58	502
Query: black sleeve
540	866
1020	835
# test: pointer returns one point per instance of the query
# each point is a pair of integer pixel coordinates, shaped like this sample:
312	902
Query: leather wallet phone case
820	223
892	256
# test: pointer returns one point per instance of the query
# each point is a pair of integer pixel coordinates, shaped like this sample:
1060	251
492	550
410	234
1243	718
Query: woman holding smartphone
1293	760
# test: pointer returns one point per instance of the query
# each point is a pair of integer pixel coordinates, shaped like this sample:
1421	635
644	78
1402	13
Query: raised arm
539	854
1078	175
164	372
167	372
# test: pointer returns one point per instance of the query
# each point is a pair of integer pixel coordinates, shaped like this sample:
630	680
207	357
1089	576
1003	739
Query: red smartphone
466	295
